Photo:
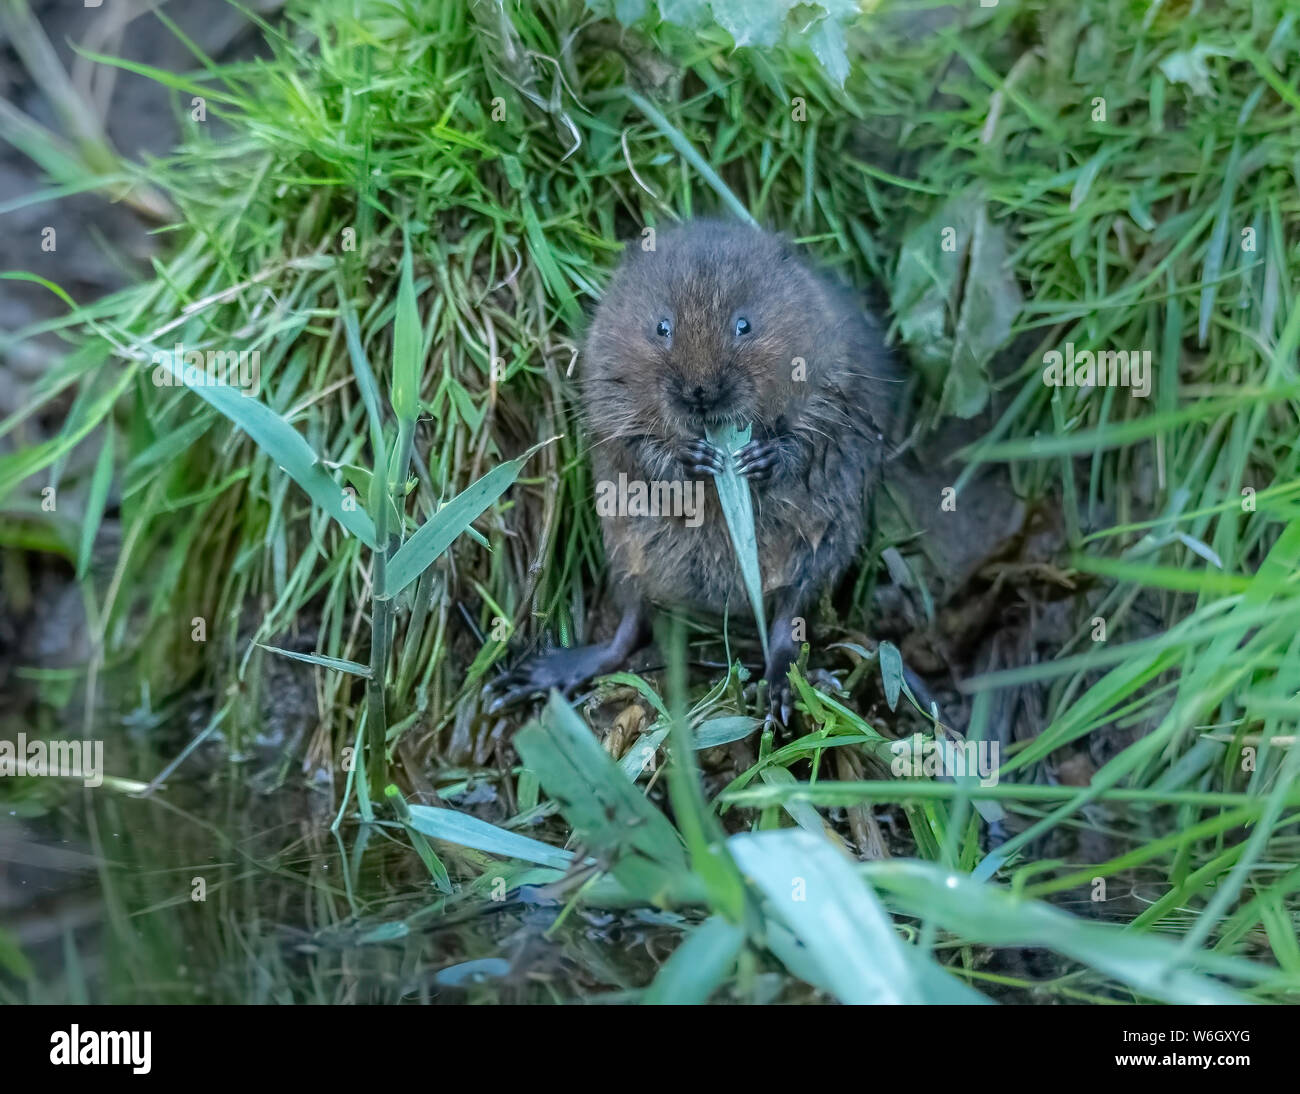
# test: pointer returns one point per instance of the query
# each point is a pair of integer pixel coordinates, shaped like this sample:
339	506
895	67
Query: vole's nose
702	397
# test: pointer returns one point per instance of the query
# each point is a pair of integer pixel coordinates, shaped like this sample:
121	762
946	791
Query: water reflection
217	894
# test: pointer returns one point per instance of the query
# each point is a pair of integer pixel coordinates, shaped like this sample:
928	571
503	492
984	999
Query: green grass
480	243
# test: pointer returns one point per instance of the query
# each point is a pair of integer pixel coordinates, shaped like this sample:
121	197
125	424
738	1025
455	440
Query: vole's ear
786	249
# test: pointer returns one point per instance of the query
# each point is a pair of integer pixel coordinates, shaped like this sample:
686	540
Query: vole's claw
700	457
515	690
781	693
500	702
824	680
780	702
756	460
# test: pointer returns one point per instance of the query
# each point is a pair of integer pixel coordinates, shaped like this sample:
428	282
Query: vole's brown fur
722	323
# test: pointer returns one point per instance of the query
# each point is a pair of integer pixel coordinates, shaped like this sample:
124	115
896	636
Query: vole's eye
742	326
664	329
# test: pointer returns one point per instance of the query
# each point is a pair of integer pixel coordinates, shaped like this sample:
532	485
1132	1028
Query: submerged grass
440	188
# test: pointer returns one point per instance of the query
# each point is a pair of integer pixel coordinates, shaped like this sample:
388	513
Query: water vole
724	324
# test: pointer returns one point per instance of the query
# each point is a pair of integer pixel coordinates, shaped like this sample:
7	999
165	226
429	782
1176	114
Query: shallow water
214	893
235	896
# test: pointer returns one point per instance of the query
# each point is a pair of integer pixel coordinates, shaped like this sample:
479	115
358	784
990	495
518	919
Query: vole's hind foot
568	669
700	457
563	669
780	702
781	693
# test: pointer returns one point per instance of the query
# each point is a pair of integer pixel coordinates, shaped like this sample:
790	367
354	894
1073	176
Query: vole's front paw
564	669
700	457
757	460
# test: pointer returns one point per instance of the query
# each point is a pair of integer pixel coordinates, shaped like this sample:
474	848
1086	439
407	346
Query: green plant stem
381	608
401	466
377	717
